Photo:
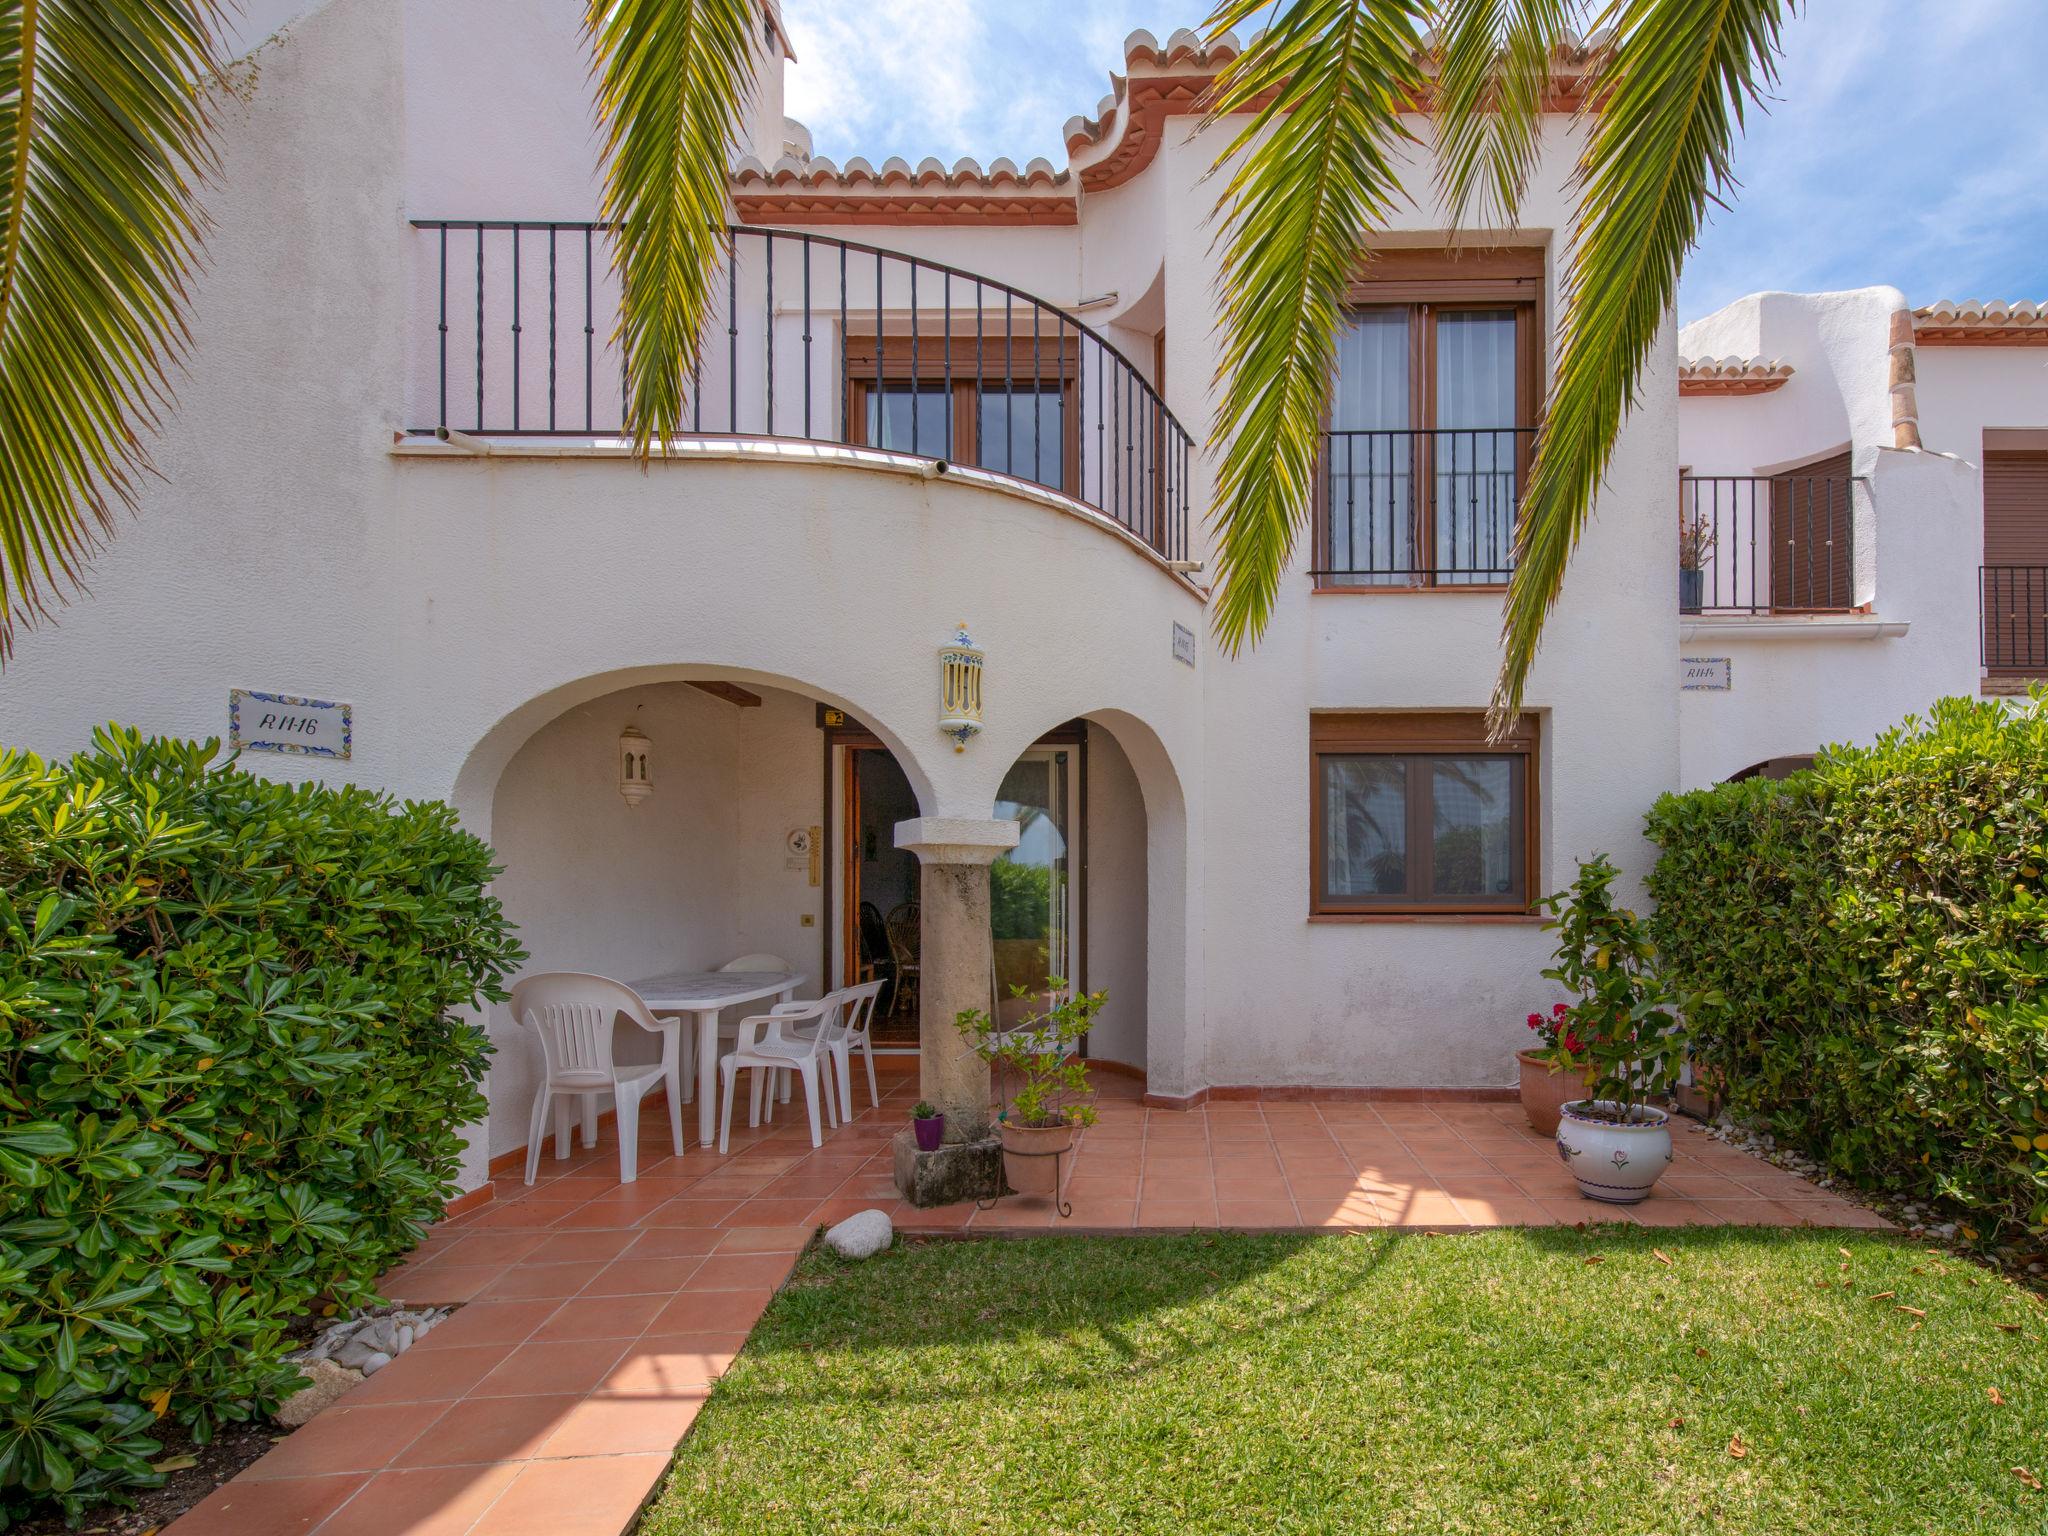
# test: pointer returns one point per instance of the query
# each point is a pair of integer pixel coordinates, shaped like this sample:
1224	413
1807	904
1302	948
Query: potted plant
928	1125
1553	1071
1695	543
1040	1051
1629	1042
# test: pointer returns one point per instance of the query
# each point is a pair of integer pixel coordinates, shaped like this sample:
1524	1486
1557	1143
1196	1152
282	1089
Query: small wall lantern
636	766
960	688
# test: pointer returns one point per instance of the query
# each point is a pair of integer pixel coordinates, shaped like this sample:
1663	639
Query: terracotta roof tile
1731	375
1981	322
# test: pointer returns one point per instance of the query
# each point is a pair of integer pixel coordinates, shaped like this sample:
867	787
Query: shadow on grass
1050	1314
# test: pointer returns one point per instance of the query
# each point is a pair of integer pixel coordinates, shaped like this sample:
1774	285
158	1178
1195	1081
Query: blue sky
1907	142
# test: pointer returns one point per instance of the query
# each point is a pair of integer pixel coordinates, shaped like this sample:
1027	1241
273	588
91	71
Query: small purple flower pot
929	1133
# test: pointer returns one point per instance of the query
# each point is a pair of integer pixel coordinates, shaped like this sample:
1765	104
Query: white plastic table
702	994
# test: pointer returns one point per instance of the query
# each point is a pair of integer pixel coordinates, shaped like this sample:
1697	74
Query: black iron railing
2013	600
815	338
1420	508
1767	543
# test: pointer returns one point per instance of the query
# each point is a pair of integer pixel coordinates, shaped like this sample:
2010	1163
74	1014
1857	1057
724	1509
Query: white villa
980	396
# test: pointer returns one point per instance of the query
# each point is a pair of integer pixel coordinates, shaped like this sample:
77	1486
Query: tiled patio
596	1316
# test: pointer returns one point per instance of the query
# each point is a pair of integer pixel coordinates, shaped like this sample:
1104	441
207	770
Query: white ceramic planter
1614	1163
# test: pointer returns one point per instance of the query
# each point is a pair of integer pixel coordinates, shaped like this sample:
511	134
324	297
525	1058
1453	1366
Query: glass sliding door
1031	918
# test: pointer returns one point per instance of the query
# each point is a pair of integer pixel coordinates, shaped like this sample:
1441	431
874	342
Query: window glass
1022	432
908	418
1371	453
1365	827
1474	811
1475	457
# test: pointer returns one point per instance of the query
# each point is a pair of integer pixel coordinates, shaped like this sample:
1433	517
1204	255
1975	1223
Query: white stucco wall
1800	684
489	618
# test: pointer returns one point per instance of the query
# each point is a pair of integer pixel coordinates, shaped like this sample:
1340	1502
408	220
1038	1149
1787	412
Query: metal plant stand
1059	1182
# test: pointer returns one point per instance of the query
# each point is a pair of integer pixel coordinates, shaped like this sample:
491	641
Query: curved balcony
819	340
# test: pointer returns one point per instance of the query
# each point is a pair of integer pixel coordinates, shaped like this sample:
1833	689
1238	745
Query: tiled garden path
596	1316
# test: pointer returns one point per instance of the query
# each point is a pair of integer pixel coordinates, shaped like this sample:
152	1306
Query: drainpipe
1905	402
455	437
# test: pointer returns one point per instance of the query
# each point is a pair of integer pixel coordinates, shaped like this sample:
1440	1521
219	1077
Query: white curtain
1368	469
1475	456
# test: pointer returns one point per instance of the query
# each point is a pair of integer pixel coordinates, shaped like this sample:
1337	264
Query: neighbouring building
976	396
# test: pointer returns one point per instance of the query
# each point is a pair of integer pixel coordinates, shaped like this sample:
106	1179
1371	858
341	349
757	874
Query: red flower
1560	1010
1571	1042
1535	1021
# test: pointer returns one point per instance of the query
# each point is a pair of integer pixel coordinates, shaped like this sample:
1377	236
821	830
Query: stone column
953	975
953	960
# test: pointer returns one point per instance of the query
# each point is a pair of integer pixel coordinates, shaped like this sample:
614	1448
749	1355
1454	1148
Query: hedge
235	1082
1877	932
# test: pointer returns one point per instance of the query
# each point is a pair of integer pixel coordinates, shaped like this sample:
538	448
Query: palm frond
1673	95
1493	74
674	77
105	135
1309	176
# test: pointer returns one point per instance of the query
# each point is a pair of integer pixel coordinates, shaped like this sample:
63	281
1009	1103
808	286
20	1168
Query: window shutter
2016	508
1813	516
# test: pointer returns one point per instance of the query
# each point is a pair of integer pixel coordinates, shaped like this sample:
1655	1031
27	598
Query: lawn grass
1498	1383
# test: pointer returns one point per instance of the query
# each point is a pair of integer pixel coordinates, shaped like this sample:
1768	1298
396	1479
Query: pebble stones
861	1235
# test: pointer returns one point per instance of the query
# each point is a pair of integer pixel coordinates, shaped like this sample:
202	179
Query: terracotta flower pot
1545	1093
1028	1163
929	1132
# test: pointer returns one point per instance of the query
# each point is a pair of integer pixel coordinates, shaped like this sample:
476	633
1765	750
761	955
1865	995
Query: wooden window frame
1427	283
1419	738
966	366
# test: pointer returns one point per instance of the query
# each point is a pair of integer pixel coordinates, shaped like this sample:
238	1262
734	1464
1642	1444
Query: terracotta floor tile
569	1498
486	1429
611	1426
1838	1213
937	1218
762	1212
286	1507
1701	1185
741	1272
536	1282
1326	1183
1256	1214
1176	1189
495	1247
1422	1208
528	1214
1015	1212
673	1243
1100	1211
1501	1211
658	1363
490	1322
603	1317
831	1212
1177	1214
348	1437
434	1501
1662	1210
1751	1213
543	1367
441	1284
751	1239
431	1375
580	1247
688	1212
642	1277
711	1312
1574	1210
1480	1186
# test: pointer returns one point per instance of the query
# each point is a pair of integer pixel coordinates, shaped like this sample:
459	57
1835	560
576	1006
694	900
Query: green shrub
1877	934
234	1084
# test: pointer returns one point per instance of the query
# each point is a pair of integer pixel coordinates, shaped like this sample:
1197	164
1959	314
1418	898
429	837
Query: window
1419	813
1010	408
1429	435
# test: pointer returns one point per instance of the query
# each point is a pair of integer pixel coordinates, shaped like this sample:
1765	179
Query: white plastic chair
573	1016
847	1033
759	963
774	1042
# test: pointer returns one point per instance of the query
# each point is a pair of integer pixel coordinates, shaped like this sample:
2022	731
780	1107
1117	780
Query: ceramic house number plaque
283	722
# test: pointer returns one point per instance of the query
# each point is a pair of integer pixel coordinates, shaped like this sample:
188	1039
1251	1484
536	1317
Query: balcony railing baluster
2013	618
1420	508
1767	543
1110	433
